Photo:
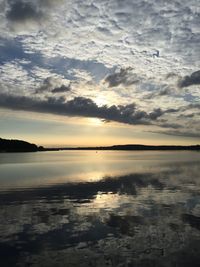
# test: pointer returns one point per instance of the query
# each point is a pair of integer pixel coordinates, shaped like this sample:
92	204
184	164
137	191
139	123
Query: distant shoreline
130	147
15	146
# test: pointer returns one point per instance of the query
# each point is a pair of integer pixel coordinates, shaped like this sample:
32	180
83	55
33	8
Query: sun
95	121
101	100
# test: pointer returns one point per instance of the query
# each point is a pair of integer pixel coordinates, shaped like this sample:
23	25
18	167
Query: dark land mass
18	146
130	147
22	146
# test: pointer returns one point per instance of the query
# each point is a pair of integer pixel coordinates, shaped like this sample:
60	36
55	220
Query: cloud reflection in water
136	219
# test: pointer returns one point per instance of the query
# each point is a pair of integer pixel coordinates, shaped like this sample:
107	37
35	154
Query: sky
103	72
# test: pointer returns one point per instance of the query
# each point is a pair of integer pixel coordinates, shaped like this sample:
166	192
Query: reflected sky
52	168
100	209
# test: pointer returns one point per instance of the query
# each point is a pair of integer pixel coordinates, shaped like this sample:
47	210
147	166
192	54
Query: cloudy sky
103	72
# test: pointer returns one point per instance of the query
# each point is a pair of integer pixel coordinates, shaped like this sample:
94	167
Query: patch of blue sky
12	50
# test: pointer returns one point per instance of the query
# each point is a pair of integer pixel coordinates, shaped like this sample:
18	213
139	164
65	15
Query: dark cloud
61	89
124	76
19	11
47	85
53	85
156	113
22	10
193	221
80	106
193	79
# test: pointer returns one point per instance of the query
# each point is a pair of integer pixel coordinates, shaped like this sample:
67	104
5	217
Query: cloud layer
84	107
102	56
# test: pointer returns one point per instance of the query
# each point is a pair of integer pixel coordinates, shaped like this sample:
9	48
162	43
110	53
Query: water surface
106	208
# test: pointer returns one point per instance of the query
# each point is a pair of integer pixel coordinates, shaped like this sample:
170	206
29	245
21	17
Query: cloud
192	106
179	133
125	30
47	85
61	89
53	85
166	91
191	115
26	14
193	79
195	105
81	106
111	41
124	77
20	11
165	124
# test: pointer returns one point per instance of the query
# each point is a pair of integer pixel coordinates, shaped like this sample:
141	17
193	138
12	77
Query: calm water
82	208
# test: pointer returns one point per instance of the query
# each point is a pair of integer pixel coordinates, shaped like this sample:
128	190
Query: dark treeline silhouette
22	146
17	146
131	147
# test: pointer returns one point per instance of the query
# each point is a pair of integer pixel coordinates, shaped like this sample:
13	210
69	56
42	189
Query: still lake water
110	208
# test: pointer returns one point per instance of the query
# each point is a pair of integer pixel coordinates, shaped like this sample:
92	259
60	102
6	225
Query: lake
100	208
